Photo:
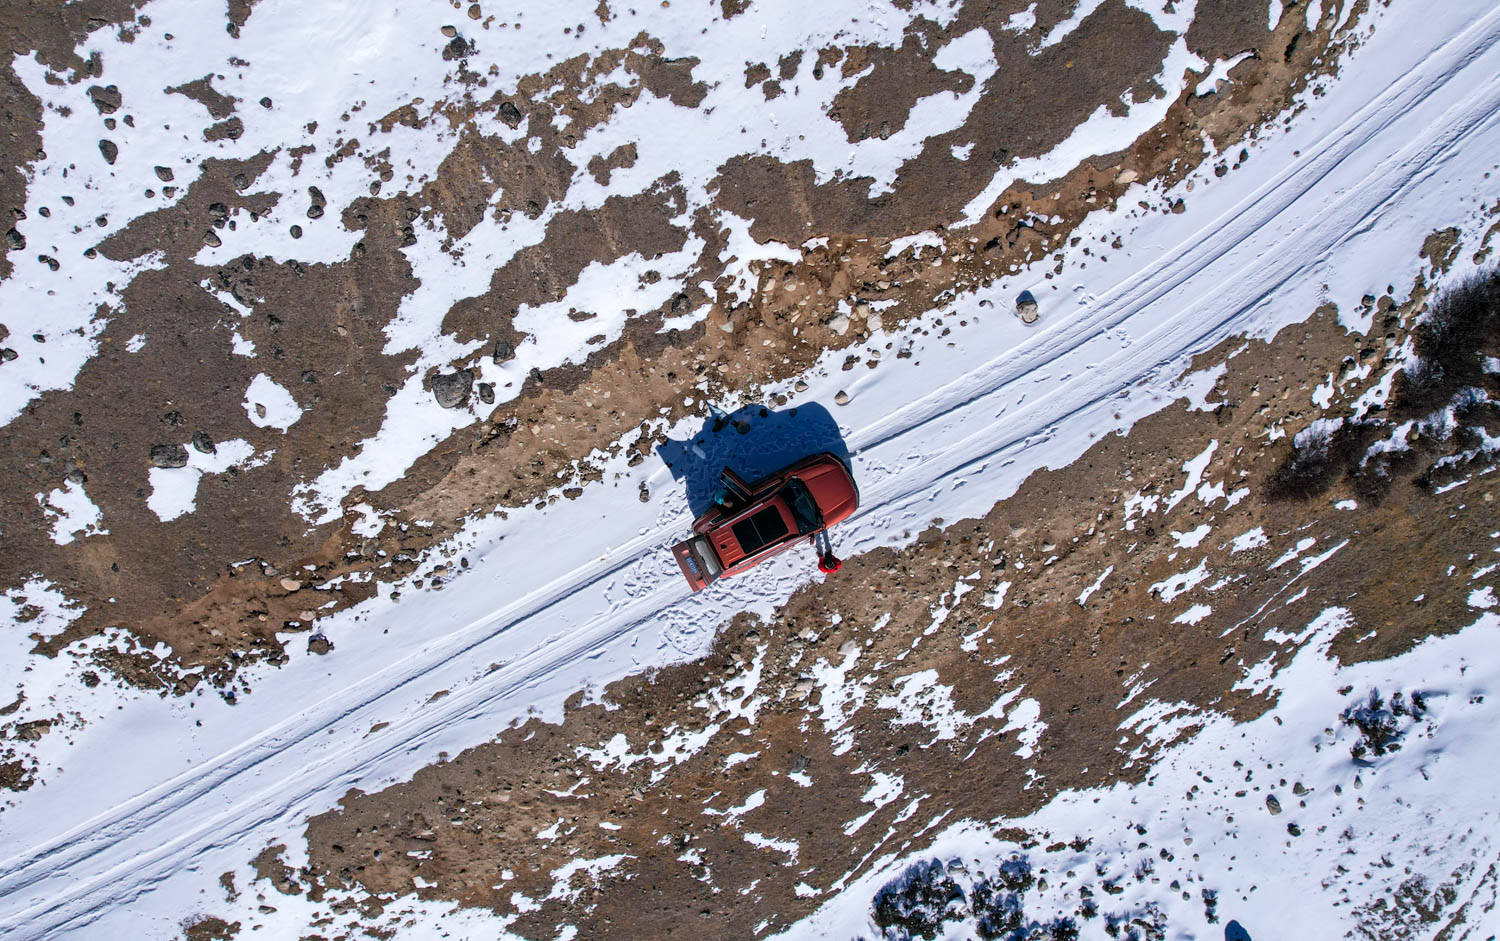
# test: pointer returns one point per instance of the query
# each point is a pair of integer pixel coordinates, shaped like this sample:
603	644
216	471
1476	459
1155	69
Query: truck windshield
804	508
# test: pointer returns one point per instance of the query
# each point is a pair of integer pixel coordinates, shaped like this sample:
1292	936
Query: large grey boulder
452	389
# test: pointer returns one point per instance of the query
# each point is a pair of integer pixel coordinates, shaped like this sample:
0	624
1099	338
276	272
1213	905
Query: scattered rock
168	455
211	239
296	231
839	324
1127	177
874	322
801	386
1179	207
106	99
108	149
203	443
232	129
165	174
1273	805
842	398
8	354
644	494
14	239
457	48
291	584
487	393
452	390
319	644
510	114
503	351
1026	307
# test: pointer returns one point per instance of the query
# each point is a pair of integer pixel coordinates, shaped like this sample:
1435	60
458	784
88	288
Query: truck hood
833	490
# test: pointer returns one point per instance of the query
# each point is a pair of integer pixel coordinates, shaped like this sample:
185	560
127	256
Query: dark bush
1451	343
1381	724
1322	456
916	903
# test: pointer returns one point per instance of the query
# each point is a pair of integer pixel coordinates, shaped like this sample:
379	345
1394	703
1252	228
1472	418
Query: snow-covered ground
145	803
1279	821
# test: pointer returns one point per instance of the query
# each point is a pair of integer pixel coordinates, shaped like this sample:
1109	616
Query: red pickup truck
749	523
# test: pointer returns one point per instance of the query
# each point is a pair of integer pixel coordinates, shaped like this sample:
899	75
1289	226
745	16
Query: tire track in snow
43	891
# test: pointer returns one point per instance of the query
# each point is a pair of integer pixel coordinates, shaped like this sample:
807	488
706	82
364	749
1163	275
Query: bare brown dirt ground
806	707
184	583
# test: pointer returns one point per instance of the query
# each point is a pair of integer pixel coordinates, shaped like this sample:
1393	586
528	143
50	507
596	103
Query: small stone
169	455
260	410
801	386
211	239
842	398
203	443
502	352
452	390
291	584
839	324
1127	177
510	114
296	231
450	31
1026	307
1178	207
474	11
727	326
319	644
265	102
109	151
487	393
861	310
8	354
14	239
314	211
874	322
644	494
165	174
1273	805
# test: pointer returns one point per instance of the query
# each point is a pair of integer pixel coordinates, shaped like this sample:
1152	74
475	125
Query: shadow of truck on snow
754	441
